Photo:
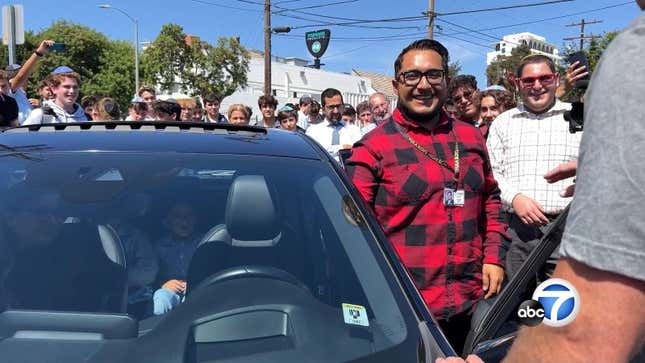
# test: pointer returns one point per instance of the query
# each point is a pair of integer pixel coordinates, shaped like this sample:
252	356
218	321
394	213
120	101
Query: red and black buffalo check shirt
442	247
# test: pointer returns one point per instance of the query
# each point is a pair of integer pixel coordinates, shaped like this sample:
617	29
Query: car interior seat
253	234
83	269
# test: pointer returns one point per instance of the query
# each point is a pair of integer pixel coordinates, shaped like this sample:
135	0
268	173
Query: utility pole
267	47
431	16
582	36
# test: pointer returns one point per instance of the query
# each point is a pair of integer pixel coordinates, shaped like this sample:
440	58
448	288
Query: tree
106	67
595	49
166	60
196	67
220	70
454	68
501	66
115	74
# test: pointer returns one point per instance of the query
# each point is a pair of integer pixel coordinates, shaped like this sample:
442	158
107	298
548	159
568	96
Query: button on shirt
524	146
324	133
444	248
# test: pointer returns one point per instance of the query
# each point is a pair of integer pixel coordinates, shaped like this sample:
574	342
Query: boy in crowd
288	118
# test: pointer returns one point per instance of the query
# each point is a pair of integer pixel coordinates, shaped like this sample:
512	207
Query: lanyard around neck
425	152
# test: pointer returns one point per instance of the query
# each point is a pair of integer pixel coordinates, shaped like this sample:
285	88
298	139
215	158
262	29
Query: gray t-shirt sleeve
606	224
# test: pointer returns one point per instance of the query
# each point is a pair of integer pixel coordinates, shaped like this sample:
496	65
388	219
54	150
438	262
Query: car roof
180	137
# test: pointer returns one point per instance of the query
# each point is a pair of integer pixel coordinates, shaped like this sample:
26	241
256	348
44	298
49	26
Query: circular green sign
316	47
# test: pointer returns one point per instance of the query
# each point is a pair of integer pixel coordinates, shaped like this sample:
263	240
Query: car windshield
143	233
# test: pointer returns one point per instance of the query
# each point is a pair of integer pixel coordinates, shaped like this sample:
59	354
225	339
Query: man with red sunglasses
524	143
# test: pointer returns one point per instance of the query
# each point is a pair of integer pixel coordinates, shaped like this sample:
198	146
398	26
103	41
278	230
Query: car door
491	336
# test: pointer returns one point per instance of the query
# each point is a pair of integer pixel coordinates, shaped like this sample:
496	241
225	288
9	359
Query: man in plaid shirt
440	207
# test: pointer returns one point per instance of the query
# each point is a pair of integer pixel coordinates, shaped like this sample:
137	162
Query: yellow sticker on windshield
355	315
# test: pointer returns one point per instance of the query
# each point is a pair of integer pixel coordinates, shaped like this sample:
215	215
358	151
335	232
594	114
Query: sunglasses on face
545	80
413	78
465	95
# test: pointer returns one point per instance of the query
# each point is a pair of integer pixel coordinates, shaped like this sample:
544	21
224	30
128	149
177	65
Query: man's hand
177	286
530	212
34	102
563	171
574	72
470	359
492	278
43	48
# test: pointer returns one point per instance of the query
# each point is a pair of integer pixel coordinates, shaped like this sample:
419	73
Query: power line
504	7
465	41
415	18
313	6
401	36
354	24
249	2
226	6
547	19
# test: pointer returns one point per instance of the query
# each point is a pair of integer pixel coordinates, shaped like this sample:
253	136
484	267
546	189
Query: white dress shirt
323	134
524	146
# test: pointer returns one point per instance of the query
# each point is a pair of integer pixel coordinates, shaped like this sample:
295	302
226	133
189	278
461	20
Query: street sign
317	42
13	23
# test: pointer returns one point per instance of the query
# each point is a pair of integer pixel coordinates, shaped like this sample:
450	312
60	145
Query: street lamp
136	43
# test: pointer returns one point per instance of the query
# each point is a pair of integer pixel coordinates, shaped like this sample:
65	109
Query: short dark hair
534	59
348	110
423	44
167	107
329	93
285	114
90	101
463	80
267	100
139	107
211	98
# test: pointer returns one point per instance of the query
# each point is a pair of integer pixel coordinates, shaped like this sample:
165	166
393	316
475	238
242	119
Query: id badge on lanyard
454	198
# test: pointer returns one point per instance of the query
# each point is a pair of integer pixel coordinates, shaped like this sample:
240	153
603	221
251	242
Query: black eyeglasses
412	78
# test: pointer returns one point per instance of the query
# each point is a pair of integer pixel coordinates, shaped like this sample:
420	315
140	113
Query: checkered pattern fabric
524	146
442	247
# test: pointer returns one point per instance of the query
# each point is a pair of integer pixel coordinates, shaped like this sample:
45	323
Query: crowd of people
454	174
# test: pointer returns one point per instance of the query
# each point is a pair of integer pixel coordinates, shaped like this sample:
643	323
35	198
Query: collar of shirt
398	117
340	124
558	107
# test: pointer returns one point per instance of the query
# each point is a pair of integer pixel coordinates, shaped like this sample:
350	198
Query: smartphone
582	59
58	48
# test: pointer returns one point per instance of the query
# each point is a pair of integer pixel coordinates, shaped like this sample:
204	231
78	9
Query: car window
105	232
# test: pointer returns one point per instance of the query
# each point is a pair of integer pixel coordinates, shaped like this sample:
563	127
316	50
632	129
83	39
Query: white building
536	43
291	79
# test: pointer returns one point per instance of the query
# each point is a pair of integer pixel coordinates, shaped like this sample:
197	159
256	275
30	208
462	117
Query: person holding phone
524	143
19	76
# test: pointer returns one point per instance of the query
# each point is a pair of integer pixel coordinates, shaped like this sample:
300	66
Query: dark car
278	258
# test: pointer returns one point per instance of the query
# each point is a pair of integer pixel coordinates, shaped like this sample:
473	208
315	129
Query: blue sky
350	47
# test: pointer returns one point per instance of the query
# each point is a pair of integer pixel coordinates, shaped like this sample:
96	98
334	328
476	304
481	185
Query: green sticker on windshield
355	315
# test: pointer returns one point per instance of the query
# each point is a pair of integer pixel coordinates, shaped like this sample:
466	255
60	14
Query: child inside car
175	251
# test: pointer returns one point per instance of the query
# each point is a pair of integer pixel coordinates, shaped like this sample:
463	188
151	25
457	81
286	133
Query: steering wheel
248	271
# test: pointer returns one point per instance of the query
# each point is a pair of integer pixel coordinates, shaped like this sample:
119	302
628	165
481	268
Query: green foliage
506	65
106	67
166	59
595	49
454	68
197	68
